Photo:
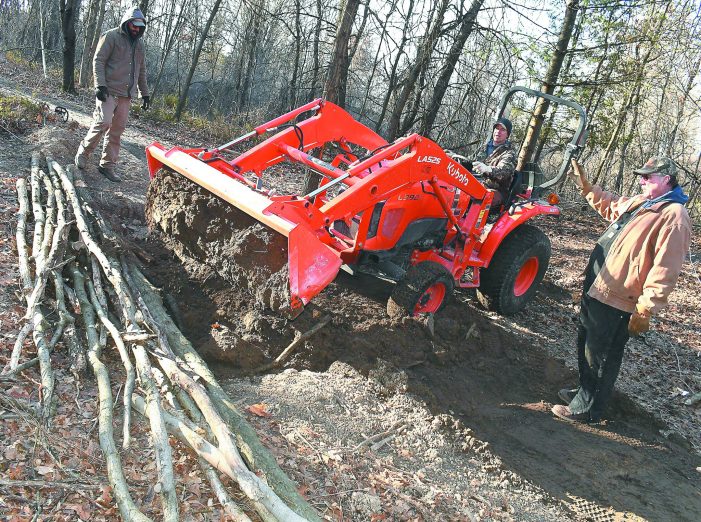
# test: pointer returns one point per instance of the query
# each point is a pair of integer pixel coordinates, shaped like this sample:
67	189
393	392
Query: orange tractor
406	211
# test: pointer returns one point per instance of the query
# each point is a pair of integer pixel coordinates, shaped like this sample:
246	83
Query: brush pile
84	289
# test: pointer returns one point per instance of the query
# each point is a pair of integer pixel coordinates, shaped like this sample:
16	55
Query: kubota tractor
405	211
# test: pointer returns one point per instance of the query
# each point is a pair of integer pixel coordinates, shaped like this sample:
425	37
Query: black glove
101	93
147	103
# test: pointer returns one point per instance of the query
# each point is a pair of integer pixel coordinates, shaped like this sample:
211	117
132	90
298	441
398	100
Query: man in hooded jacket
631	272
119	69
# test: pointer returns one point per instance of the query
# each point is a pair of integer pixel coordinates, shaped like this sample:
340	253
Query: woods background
435	67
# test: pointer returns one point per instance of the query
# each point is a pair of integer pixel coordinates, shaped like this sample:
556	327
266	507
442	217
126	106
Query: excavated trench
228	274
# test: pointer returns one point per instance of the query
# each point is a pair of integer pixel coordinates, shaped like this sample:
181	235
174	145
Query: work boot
565	413
566	395
109	173
80	161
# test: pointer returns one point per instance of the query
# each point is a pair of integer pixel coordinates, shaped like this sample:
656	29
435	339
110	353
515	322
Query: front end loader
406	211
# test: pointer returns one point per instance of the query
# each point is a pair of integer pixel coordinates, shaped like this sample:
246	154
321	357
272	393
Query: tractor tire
517	268
426	288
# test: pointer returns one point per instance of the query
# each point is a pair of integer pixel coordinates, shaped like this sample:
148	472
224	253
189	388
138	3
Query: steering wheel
464	161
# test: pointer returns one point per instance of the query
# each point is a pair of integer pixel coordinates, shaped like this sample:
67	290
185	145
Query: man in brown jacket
119	68
631	272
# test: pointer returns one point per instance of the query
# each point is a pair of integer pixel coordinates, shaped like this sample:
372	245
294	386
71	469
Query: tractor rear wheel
517	268
426	288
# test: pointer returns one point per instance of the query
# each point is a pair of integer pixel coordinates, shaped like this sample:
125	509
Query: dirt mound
201	226
238	272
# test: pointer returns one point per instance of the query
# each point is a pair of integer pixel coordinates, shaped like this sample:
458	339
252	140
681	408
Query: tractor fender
508	223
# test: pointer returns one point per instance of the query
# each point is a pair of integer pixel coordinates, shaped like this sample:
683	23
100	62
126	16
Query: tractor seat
506	198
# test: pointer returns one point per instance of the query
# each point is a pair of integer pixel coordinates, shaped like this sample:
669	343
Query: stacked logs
103	301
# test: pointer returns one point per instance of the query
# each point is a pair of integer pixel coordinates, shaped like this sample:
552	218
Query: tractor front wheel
426	288
517	268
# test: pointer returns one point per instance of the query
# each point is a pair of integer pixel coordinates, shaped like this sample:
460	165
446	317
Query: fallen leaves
44	470
82	510
260	409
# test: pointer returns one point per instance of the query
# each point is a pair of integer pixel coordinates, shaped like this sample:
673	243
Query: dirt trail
502	393
470	369
464	366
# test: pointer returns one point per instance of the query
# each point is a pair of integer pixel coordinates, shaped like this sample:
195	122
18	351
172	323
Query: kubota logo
454	171
429	159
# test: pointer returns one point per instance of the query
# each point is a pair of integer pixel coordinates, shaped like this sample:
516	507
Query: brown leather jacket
119	61
645	260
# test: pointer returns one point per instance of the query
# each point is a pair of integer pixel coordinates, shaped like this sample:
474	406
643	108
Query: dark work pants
601	338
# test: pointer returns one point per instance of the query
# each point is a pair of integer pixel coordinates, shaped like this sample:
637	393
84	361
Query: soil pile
200	226
239	269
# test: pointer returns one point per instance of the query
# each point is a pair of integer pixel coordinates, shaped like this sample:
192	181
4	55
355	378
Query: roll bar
575	146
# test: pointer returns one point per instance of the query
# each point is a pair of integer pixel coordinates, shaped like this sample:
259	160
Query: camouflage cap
658	165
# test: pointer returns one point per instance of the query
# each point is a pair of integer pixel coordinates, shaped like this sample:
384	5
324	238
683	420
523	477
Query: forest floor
463	400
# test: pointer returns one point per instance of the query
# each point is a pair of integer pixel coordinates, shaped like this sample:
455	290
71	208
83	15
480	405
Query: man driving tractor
497	163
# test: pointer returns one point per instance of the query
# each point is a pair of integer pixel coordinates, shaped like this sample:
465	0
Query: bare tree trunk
564	73
250	56
467	24
335	88
549	83
315	51
422	61
93	23
171	34
195	59
392	82
41	38
70	9
359	34
298	51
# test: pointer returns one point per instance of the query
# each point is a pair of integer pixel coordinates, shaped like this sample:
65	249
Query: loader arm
413	167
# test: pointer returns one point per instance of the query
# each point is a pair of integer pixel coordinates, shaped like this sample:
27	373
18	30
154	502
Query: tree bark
549	83
256	455
90	23
316	87
195	59
115	473
70	10
423	59
467	24
171	34
336	83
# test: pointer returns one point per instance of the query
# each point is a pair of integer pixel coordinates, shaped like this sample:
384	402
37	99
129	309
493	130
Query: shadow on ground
503	391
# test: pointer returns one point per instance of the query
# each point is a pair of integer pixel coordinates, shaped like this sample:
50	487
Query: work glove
101	93
146	105
639	321
579	177
481	168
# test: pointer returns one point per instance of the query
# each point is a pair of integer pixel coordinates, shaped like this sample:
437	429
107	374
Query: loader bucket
311	264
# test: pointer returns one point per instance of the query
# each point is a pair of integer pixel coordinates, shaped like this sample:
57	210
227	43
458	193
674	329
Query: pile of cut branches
82	289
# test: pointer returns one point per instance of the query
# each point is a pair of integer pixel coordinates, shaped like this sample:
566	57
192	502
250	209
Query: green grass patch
18	114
